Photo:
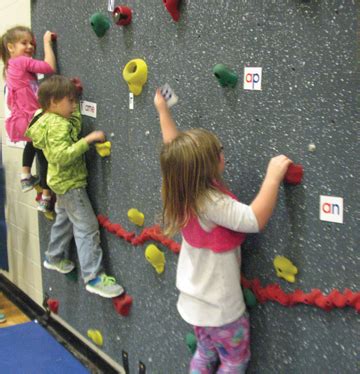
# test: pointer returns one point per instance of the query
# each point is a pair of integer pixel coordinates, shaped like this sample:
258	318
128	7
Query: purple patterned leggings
229	344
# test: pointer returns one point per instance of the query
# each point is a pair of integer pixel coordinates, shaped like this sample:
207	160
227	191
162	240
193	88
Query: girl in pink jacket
17	47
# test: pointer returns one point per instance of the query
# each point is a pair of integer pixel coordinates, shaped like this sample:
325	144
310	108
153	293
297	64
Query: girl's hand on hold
95	136
277	168
159	101
47	37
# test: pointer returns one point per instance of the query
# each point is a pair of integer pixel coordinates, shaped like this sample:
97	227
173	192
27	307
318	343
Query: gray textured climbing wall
309	54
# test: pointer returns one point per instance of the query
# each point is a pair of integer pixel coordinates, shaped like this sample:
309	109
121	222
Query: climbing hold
285	268
122	304
155	257
49	215
53	36
122	15
135	74
294	174
191	342
72	276
250	298
95	336
53	305
312	147
99	23
136	216
78	85
225	76
103	149
172	6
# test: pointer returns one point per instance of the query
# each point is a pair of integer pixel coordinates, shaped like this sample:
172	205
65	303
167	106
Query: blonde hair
12	35
190	172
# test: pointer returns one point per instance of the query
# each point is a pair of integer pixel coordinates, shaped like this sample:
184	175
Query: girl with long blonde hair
213	225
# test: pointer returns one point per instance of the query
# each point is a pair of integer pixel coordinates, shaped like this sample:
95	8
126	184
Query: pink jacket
219	239
22	86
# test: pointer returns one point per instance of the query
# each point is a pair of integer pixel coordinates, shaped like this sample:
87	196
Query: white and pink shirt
208	272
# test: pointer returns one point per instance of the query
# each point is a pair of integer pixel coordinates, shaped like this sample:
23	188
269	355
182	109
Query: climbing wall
308	52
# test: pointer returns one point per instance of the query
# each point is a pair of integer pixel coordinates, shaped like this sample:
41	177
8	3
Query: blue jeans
75	218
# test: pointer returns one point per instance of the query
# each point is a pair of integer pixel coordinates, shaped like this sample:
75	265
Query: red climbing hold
172	6
122	304
294	174
53	305
78	85
122	15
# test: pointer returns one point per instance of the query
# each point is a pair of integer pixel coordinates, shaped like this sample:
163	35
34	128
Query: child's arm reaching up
167	124
264	203
49	55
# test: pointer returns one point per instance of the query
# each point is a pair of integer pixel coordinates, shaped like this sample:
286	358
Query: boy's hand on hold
95	136
159	101
48	37
277	168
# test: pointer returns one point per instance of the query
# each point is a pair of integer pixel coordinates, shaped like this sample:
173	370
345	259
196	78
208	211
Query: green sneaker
2	318
104	286
64	266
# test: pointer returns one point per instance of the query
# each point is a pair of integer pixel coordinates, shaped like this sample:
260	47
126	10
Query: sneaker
104	286
64	266
45	205
28	184
2	318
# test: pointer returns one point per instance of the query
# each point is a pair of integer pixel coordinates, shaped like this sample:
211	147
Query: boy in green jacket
55	129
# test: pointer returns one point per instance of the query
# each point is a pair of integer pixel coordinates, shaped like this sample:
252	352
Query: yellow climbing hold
95	336
136	217
50	215
285	268
103	149
135	74
155	257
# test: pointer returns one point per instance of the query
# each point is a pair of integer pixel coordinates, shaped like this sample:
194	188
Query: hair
190	172
12	35
55	88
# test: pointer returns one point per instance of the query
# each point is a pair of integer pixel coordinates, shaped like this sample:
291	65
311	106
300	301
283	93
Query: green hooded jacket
58	137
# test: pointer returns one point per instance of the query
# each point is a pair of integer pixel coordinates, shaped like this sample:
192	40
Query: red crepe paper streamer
148	233
271	292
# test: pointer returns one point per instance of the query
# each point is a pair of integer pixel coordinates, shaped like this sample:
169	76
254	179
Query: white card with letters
169	95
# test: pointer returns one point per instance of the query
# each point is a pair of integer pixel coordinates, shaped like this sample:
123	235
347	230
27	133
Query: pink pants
229	344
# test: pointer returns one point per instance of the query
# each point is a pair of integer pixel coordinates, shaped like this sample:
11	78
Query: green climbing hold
250	298
225	76
72	276
191	342
100	23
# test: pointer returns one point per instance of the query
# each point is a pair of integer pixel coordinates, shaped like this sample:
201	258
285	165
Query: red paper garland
271	292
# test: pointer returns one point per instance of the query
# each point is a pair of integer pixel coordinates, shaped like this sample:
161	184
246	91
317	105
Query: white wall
21	213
